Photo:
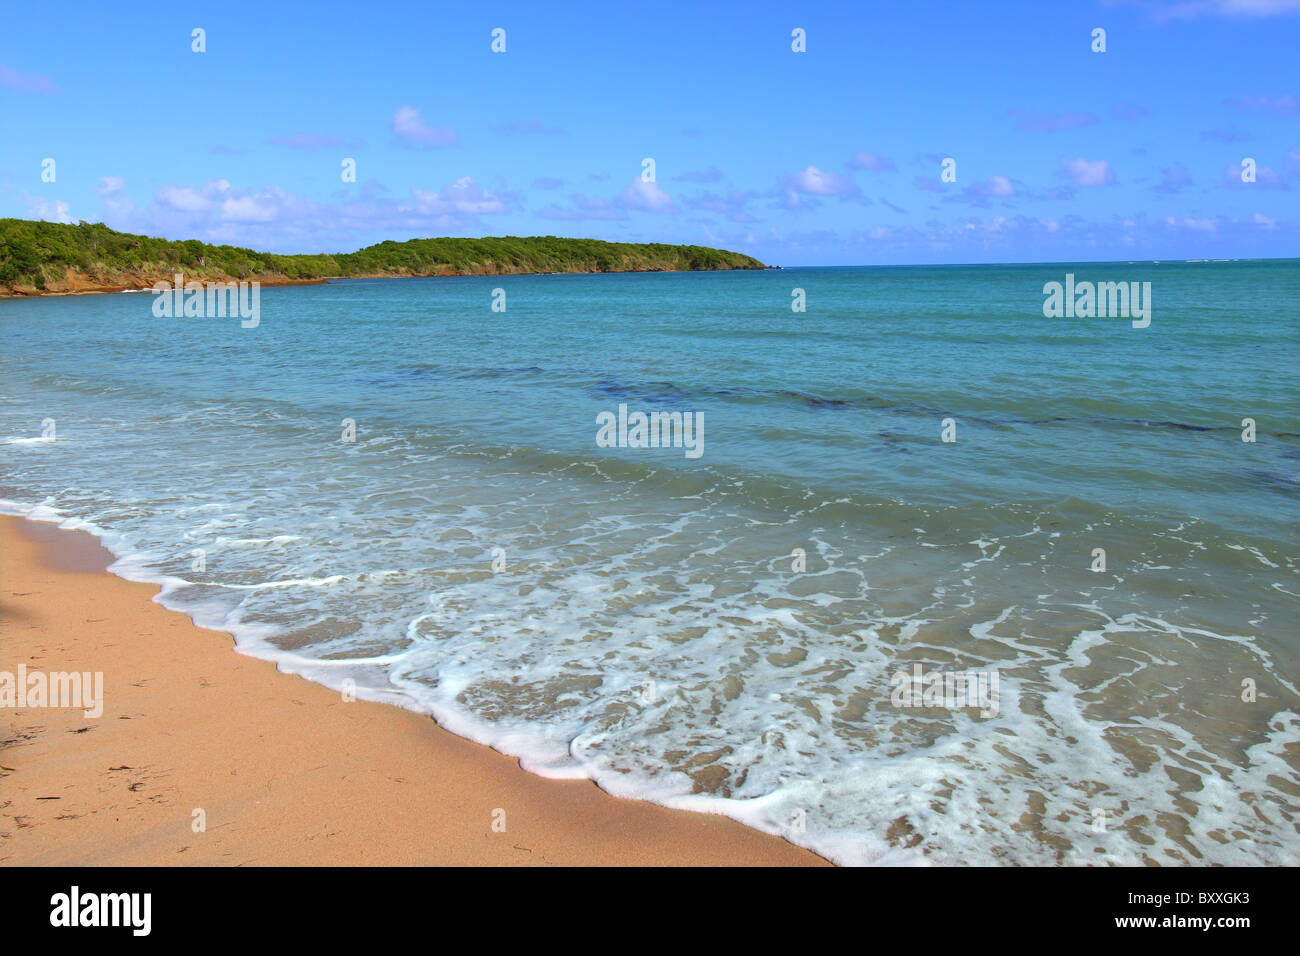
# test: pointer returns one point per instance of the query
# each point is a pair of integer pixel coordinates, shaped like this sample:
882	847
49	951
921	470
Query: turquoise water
645	619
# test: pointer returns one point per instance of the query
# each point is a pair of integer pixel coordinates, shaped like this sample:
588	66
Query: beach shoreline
145	284
204	756
92	288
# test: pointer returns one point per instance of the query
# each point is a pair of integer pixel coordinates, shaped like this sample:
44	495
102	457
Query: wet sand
278	770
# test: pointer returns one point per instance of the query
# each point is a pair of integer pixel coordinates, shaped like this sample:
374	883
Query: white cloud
462	198
1187	222
1000	186
815	182
50	210
1288	105
409	126
1246	9
865	159
1266	177
647	196
812	182
249	209
26	82
272	219
112	189
187	198
1089	172
979	194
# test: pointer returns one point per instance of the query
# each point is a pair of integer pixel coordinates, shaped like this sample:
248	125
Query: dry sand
284	770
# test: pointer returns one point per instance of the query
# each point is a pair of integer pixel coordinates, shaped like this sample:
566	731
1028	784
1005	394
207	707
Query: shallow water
649	622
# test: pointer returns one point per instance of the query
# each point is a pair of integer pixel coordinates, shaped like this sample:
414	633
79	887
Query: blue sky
826	157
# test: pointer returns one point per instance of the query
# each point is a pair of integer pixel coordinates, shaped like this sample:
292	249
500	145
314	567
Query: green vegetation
40	255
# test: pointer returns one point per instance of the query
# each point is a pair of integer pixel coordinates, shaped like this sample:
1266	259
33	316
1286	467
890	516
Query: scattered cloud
27	82
1173	179
640	196
997	186
49	210
216	200
800	190
262	208
190	198
270	217
112	189
1012	237
547	182
980	193
411	130
1164	10
1287	105
1089	172
462	199
1195	224
865	159
812	181
647	196
1266	177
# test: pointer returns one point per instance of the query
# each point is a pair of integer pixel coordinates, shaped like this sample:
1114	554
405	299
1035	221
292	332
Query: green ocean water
723	632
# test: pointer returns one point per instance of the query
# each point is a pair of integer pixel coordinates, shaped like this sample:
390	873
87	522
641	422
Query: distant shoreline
108	289
273	281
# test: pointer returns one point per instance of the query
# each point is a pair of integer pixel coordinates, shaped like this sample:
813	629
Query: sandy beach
279	770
